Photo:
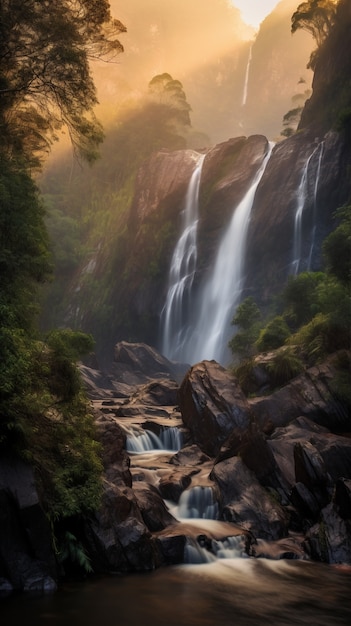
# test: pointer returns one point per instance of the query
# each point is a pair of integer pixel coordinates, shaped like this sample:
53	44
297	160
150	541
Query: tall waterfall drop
302	201
246	82
222	291
182	272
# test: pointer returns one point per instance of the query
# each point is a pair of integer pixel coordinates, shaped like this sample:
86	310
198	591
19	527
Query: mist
206	46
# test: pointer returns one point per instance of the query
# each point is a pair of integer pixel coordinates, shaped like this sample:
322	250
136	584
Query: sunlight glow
254	11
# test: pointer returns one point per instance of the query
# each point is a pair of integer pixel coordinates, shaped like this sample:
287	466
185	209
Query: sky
254	11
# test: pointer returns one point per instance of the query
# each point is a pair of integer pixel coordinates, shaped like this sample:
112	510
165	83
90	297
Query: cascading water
303	194
197	503
141	440
246	82
221	293
313	231
182	272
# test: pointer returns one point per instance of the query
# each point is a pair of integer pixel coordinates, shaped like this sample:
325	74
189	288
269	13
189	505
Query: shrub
273	335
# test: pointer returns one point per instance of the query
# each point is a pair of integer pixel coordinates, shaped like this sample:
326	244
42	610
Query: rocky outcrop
27	559
212	405
271	229
311	394
136	363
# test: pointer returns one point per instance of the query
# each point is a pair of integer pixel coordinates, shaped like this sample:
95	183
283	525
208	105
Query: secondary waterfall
246	82
303	195
222	291
182	272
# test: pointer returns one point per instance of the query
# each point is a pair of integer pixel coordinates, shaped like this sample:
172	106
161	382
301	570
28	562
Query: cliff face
306	173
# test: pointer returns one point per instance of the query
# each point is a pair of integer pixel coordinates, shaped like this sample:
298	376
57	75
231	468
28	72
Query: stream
230	592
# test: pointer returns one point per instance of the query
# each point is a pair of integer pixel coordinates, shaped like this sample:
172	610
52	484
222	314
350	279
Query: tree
315	16
247	319
45	79
170	92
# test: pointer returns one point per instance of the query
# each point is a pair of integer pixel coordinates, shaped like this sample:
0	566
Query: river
229	592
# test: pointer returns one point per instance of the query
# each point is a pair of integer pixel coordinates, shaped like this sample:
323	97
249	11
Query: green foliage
337	247
283	366
273	335
315	16
66	347
299	297
71	550
247	319
45	79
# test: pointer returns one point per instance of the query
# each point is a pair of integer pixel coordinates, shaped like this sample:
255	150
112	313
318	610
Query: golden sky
254	11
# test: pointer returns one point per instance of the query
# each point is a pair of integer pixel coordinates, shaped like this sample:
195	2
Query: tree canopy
45	79
315	16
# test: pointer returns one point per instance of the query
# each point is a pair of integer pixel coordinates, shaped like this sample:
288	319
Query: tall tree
45	79
317	17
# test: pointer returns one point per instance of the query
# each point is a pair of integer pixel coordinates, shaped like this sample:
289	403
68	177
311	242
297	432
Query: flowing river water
227	589
230	592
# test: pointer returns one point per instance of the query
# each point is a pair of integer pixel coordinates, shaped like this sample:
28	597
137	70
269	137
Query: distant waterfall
182	272
303	196
314	223
222	291
246	82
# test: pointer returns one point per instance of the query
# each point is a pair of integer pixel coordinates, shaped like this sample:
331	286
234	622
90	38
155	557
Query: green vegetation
329	23
45	87
122	254
314	321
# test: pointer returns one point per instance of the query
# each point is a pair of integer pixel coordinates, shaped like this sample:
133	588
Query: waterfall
302	198
246	82
197	503
222	292
314	223
182	272
140	440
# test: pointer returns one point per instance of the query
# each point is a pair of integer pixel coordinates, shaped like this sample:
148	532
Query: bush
273	335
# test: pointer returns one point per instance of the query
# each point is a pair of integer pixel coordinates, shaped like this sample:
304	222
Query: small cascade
197	503
303	195
222	292
171	438
246	82
204	550
229	548
182	272
196	554
141	440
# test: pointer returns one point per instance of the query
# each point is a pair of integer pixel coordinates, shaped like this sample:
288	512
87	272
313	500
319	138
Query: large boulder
138	363
212	405
311	395
27	560
246	503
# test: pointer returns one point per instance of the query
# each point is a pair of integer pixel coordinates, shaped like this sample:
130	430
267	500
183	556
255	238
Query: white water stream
308	176
182	271
223	289
246	82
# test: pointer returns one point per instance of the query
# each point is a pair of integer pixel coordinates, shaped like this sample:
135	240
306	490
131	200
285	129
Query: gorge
226	483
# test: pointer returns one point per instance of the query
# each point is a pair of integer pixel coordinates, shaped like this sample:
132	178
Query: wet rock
27	560
138	363
330	539
246	503
115	459
153	509
309	394
212	405
311	471
190	455
342	498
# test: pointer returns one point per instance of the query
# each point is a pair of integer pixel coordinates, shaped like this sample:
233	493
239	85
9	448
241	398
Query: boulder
246	503
212	405
27	560
330	539
309	394
138	363
153	509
